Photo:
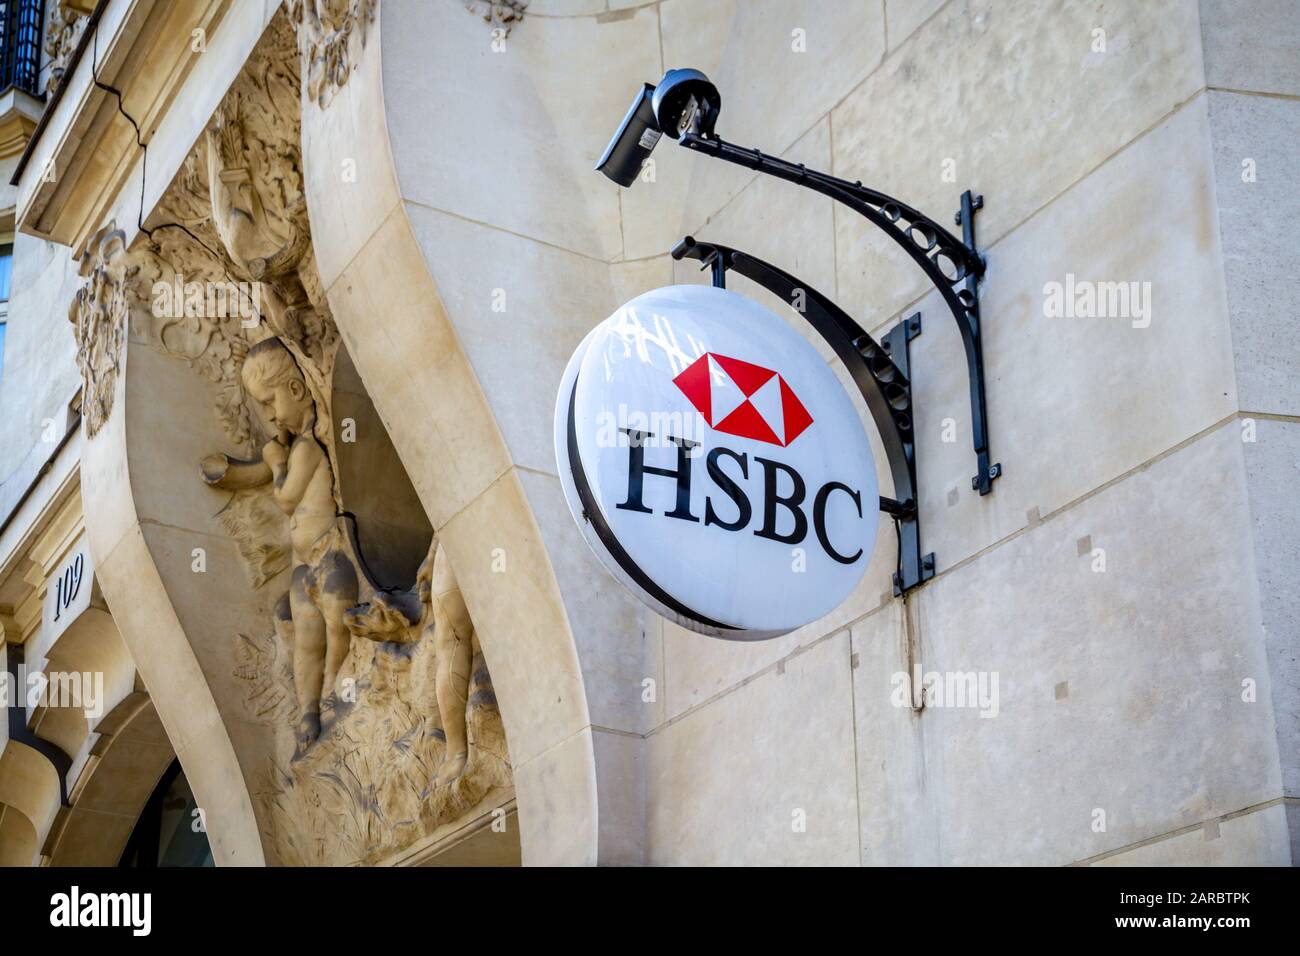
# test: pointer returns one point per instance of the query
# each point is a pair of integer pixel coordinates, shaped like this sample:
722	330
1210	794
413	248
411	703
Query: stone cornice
19	114
50	494
75	169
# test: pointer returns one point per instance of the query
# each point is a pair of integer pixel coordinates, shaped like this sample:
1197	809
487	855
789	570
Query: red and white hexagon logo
744	399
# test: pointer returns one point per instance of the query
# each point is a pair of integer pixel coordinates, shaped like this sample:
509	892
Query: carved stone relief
99	317
499	13
331	32
61	36
421	745
379	703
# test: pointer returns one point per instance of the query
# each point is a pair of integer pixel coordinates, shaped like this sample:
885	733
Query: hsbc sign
715	464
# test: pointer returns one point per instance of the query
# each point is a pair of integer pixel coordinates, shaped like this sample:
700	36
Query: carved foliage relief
99	316
331	33
501	14
61	35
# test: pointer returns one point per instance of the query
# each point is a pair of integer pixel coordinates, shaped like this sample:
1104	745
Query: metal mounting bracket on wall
953	265
881	370
684	106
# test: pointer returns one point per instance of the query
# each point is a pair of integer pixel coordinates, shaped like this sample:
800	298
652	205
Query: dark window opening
20	43
170	830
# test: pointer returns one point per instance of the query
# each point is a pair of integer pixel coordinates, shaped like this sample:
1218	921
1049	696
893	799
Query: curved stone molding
362	716
29	787
129	757
458	386
143	533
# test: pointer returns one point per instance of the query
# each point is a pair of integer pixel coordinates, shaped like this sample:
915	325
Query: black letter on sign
819	518
771	500
733	491
637	469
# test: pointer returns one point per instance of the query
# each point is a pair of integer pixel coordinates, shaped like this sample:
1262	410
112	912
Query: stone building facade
293	286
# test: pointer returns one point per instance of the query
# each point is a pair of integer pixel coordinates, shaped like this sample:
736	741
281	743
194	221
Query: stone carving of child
449	624
434	610
324	580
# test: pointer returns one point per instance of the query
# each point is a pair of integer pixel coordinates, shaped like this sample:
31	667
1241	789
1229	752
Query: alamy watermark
210	300
974	689
627	427
83	690
1086	299
76	908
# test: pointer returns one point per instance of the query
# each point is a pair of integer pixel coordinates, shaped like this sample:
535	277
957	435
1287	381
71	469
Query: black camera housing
634	142
686	101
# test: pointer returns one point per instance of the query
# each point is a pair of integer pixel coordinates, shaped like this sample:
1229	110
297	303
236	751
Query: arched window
170	829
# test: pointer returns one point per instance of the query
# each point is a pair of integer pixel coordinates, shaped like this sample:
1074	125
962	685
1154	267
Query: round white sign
715	464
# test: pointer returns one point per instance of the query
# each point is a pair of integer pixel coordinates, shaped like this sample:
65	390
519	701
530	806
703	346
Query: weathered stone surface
796	802
1073	402
557	804
1272	473
1258	838
804	57
903	17
502	291
1013	95
621	797
1159	736
1251	46
1256	167
532	161
613	633
777	221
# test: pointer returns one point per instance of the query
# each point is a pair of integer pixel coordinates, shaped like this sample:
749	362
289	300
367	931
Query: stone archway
133	755
540	607
204	576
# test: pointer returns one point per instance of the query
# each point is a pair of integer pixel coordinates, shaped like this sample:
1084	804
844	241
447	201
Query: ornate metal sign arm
953	265
880	371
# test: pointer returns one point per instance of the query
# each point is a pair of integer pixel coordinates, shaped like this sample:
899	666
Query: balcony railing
20	43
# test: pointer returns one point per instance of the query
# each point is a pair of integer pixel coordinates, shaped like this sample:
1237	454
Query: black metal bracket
881	371
953	265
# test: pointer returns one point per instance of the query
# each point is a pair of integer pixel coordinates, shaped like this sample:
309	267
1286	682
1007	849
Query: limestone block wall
1124	582
40	375
1120	690
1252	79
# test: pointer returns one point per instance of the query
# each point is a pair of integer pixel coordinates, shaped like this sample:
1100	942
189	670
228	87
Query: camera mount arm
954	266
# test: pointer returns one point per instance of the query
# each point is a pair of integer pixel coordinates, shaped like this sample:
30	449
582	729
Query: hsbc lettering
744	446
791	503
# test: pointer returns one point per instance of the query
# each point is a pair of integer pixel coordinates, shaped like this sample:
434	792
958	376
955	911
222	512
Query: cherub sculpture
324	580
434	611
453	637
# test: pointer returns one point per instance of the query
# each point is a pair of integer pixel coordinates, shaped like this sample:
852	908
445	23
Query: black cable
374	581
144	167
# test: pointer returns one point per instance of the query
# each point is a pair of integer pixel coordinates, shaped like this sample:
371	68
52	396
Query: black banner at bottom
340	908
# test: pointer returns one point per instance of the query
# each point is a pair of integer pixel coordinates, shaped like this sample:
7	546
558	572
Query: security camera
634	141
685	101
